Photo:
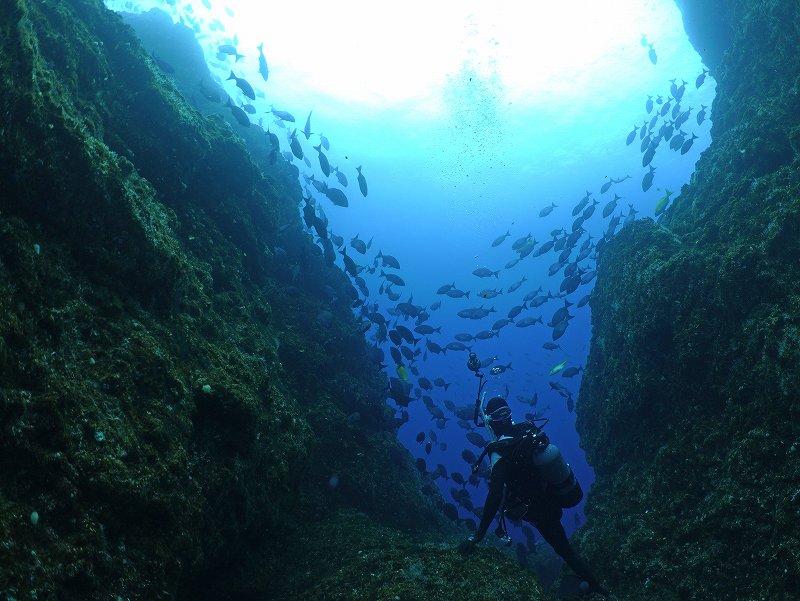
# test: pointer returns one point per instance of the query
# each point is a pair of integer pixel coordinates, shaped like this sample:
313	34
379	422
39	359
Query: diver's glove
468	546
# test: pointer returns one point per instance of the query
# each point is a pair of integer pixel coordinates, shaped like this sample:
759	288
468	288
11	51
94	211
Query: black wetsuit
544	511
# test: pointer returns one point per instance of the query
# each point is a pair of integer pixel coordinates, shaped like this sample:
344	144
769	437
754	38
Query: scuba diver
529	481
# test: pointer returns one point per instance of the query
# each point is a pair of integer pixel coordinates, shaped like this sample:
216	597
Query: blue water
444	182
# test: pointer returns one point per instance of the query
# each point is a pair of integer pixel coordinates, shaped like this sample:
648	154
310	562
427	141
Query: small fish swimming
324	165
701	78
307	128
652	54
680	90
682	118
677	141
457	346
647	180
359	245
297	150
557	368
631	216
515	286
500	239
581	205
485	272
394	279
388	260
514	311
487	294
362	182
527	249
544	248
476	439
647	157
282	115
335	195
561	314
501	323
475	313
426	329
528	321
262	63
401	372
661	205
230	50
433	347
243	85
547	210
521	242
589	211
340	176
349	265
238	114
687	145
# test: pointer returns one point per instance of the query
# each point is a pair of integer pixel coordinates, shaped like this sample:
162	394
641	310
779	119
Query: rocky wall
171	407
689	407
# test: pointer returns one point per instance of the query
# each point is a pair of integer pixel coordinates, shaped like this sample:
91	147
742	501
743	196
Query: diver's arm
494	498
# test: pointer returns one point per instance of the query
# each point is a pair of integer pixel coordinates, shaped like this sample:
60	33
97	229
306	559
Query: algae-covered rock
348	557
169	402
689	405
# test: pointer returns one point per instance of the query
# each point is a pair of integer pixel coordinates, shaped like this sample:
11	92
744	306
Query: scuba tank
550	465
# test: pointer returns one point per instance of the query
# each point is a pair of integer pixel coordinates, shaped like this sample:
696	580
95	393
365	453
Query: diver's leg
553	532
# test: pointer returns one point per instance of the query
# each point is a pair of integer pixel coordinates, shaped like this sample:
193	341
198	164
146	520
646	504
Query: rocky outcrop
174	413
689	407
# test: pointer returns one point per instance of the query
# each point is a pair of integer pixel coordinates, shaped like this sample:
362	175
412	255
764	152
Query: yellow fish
402	373
558	367
662	204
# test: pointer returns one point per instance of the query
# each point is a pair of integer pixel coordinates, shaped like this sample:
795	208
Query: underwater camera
473	363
